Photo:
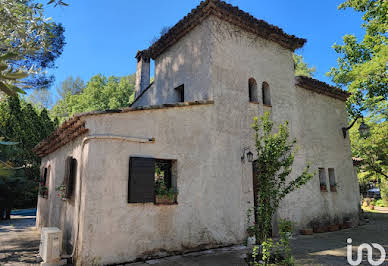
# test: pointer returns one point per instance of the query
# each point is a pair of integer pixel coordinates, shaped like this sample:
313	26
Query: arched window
252	85
266	93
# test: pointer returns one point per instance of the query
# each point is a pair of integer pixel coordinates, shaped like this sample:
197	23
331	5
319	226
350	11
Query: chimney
142	72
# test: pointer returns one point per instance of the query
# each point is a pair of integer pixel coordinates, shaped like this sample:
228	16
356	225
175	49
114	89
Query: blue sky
103	36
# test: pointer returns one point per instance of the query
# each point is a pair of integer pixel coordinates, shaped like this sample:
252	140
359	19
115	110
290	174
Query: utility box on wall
50	244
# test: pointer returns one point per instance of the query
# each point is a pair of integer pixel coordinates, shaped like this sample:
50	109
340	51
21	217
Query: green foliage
21	123
278	252
25	35
384	192
100	93
301	68
382	202
373	150
362	66
275	157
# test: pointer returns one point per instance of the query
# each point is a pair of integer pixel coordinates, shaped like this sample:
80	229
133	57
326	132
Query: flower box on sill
333	188
43	192
323	188
165	199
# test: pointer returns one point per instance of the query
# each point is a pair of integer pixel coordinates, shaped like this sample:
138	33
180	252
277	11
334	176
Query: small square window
152	180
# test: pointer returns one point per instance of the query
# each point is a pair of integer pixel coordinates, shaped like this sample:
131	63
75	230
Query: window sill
267	105
254	102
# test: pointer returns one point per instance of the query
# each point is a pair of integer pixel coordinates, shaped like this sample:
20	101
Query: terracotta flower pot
306	231
320	229
165	200
333	227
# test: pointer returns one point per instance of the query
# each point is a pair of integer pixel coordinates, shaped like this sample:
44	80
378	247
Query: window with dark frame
322	179
180	92
150	178
332	181
43	186
70	175
252	90
266	93
44	178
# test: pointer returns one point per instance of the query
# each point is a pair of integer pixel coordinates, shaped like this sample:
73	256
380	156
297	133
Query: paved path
19	244
19	241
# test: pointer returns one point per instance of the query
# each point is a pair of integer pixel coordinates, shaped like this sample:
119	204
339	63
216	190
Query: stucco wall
53	211
116	231
187	62
315	120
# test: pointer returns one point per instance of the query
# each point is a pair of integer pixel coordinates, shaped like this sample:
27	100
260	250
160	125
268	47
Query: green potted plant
164	195
61	191
323	187
43	191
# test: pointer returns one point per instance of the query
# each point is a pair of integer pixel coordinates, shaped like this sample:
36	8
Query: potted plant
323	187
335	225
333	187
43	191
61	192
164	195
306	231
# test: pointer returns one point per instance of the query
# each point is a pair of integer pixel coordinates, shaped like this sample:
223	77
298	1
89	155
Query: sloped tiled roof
321	87
227	13
75	126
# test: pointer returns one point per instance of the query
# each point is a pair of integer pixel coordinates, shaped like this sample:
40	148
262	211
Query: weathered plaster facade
206	140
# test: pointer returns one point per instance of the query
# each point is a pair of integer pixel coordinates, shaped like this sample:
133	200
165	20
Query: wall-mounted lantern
363	130
249	155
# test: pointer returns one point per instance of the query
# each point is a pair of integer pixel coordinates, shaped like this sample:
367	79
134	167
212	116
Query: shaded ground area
330	248
19	241
317	249
19	244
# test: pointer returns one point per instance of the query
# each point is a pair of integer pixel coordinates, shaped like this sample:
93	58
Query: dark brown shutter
141	179
44	176
72	176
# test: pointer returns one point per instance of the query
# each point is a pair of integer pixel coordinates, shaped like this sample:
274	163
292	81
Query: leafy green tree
20	122
301	68
275	157
100	93
72	85
373	150
362	65
28	43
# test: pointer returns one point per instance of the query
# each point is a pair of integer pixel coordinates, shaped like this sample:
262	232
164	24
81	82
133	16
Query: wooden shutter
141	179
72	176
44	181
68	181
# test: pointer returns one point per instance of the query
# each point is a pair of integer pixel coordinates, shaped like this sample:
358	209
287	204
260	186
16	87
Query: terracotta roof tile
321	87
230	14
75	126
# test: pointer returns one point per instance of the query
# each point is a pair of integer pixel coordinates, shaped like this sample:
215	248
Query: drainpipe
98	137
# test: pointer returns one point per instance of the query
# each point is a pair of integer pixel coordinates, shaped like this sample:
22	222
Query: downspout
98	137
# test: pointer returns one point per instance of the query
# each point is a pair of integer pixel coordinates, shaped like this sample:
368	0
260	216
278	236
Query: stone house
215	70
